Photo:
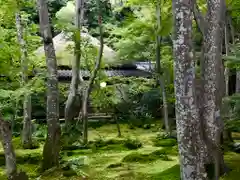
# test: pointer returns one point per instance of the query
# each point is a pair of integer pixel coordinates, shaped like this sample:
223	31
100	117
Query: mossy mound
167	151
33	158
165	142
18	144
109	144
115	165
145	158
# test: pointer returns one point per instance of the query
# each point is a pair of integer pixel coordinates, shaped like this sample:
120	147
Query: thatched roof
65	56
109	73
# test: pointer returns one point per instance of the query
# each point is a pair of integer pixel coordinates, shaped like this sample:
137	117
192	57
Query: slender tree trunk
159	72
92	79
212	76
227	135
226	72
52	146
10	157
118	126
187	113
237	81
76	79
27	125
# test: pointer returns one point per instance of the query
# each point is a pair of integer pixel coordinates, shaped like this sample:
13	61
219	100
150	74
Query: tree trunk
237	81
187	114
118	127
10	157
52	146
27	125
76	79
212	77
227	135
158	64
92	79
226	72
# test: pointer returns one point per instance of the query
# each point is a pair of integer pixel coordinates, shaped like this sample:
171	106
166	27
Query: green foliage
130	101
66	14
231	115
233	59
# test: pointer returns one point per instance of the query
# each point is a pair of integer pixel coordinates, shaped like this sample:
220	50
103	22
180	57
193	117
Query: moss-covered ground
135	156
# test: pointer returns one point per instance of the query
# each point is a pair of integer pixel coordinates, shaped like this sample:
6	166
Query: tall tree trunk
226	72
10	157
227	135
187	113
237	81
52	146
27	125
212	71
76	79
160	80
212	76
92	79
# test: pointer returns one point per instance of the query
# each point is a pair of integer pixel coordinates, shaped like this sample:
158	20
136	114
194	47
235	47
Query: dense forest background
179	117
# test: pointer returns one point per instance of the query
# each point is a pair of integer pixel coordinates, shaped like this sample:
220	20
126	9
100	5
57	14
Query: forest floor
115	158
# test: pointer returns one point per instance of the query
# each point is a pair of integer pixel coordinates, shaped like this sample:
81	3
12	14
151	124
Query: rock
79	161
236	147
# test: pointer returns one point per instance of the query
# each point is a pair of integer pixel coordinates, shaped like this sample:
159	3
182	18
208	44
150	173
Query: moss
115	165
69	173
103	161
17	143
132	144
32	158
236	135
166	151
233	161
144	158
172	173
164	142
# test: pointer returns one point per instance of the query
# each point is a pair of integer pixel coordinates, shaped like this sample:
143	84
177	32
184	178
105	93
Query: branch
198	17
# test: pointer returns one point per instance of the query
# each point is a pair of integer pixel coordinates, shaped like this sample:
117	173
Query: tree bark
10	157
226	71
92	79
52	146
76	79
158	64
227	135
237	81
187	113
212	75
27	125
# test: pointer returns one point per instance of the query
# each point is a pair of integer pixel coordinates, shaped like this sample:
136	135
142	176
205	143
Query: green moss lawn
138	155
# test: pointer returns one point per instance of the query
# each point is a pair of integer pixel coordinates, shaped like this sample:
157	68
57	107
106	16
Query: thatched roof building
115	68
64	56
